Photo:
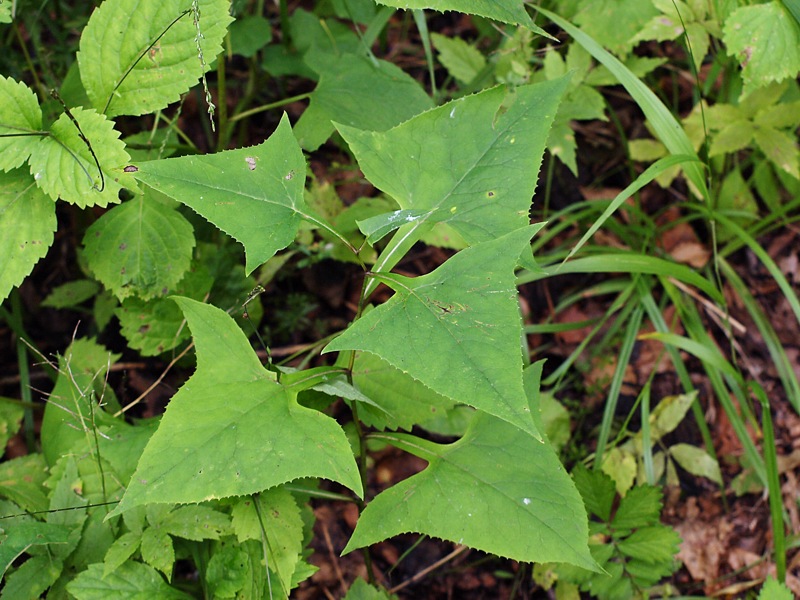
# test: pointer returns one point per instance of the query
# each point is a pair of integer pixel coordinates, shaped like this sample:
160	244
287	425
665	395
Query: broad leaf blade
468	162
255	195
233	430
19	114
497	489
129	580
141	247
27	223
456	330
137	56
357	92
63	165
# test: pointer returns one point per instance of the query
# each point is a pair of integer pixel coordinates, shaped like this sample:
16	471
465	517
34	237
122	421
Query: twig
427	570
156	382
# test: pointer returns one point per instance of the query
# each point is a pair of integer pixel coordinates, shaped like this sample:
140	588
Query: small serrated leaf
140	247
654	544
157	550
461	59
137	57
138	581
27	223
196	523
19	115
64	167
597	490
641	506
121	550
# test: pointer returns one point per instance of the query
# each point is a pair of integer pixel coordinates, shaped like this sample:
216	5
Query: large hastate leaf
232	429
358	92
66	167
27	223
457	330
467	163
19	115
138	56
141	247
255	195
497	489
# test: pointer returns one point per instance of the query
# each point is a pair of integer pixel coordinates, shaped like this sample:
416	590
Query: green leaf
497	489
280	518
197	455
11	414
155	326
668	414
27	223
781	148
656	544
641	506
355	91
505	11
249	34
71	293
18	537
361	590
462	60
228	571
5	11
137	57
131	581
196	523
403	402
22	481
773	590
597	490
255	195
32	578
614	23
456	330
468	162
72	409
64	167
141	247
766	41
19	114
157	550
121	550
696	461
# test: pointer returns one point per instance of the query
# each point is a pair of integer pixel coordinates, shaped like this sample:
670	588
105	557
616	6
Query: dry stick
156	382
427	570
710	307
334	560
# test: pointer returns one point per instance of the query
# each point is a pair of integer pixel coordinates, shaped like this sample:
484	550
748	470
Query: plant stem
265	107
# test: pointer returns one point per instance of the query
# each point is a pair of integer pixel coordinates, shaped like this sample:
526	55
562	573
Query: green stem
265	107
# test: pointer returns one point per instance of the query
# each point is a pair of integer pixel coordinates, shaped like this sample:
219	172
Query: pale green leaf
157	550
27	223
467	162
620	465
668	414
71	293
497	489
766	41
11	413
155	326
734	136
18	537
780	116
255	195
378	226
63	165
772	589
403	402
131	581
641	506
456	330
22	481
5	11
614	23
141	247
781	148
361	590
120	551
655	544
33	577
355	91
461	59
283	524
137	56
209	453
696	461
196	523
72	409
505	11
228	571
19	114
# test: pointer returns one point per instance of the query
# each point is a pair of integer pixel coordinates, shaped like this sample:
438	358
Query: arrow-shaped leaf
253	194
497	489
232	429
457	329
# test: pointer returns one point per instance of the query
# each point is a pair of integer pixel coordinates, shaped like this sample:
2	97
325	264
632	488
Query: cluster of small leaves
631	544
